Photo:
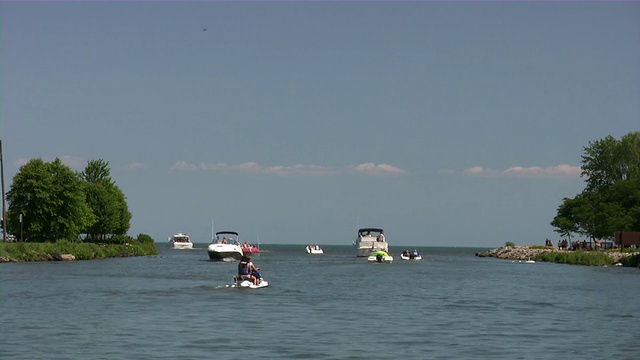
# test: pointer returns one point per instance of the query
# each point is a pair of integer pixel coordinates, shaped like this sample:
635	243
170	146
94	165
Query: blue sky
445	123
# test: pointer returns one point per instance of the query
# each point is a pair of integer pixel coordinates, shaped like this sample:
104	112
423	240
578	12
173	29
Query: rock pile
525	253
514	252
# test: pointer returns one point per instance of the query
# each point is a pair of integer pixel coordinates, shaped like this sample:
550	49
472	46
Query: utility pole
4	213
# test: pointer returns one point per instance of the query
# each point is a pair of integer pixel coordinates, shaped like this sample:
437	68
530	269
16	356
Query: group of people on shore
576	245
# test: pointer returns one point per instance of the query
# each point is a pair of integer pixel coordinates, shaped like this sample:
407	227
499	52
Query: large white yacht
181	241
369	241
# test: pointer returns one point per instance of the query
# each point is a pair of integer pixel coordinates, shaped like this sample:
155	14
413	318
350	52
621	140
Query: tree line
610	201
48	202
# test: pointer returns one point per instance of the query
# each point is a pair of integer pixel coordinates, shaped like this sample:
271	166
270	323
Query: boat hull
224	252
221	256
365	249
246	284
182	245
382	259
314	251
403	257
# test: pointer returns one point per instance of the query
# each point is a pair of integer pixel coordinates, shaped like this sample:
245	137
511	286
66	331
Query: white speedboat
370	240
380	257
407	255
314	249
181	241
225	246
244	283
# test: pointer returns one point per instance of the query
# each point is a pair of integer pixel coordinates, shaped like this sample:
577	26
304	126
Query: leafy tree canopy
50	200
106	200
611	199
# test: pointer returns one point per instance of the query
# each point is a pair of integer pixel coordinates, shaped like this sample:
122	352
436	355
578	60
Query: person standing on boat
247	270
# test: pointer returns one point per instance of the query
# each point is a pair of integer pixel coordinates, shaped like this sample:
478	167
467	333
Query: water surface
451	305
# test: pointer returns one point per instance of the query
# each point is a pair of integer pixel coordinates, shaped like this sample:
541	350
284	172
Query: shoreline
525	253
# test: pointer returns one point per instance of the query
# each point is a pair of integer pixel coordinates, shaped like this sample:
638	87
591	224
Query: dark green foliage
632	261
57	204
51	200
146	239
107	202
82	251
611	199
577	258
509	244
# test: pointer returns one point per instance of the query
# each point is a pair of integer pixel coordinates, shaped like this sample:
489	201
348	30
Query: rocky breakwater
515	252
43	257
526	253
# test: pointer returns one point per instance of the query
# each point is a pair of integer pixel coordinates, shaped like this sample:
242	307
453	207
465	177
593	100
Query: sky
444	123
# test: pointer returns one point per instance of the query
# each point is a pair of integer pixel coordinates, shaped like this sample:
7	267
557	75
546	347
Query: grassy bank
589	258
80	250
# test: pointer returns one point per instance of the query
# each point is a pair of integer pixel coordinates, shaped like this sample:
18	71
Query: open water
451	305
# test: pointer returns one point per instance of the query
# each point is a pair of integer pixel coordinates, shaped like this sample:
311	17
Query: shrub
145	239
577	258
509	244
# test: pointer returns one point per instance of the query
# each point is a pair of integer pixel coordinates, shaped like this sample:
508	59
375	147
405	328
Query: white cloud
560	171
373	169
292	170
476	170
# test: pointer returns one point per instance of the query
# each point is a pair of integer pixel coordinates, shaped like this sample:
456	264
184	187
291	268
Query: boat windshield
225	238
370	232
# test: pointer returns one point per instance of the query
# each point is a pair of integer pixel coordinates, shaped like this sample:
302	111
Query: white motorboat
248	284
181	241
225	246
414	255
370	240
380	257
314	249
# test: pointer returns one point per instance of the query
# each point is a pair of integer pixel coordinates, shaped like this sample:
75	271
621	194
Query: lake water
451	305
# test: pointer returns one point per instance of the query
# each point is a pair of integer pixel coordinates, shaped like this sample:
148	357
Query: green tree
50	198
564	221
106	200
97	171
611	199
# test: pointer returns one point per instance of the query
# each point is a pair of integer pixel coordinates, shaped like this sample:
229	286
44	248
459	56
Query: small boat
314	249
407	255
370	240
244	283
249	249
181	241
380	257
225	246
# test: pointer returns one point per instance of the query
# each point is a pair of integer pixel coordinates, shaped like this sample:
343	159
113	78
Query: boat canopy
227	232
365	230
380	252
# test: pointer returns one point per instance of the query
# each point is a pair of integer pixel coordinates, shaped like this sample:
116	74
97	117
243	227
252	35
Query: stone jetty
525	253
515	252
